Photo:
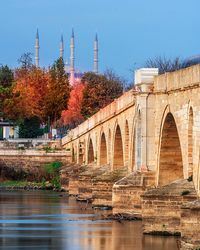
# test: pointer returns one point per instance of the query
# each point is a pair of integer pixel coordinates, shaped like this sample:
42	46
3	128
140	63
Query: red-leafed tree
29	92
72	116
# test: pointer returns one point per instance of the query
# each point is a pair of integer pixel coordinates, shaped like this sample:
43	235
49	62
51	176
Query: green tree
30	128
100	90
6	83
58	91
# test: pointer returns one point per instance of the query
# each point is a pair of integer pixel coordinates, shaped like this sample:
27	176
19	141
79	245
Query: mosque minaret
96	50
61	47
37	48
74	75
72	57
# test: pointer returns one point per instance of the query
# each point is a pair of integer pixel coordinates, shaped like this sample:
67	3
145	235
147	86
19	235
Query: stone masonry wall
127	193
161	207
190	225
18	164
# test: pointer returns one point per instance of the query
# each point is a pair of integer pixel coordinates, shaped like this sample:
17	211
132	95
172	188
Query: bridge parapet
118	105
178	79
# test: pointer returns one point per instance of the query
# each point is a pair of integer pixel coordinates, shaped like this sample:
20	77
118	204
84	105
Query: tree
72	116
25	61
6	77
100	90
6	83
30	128
168	65
29	93
58	92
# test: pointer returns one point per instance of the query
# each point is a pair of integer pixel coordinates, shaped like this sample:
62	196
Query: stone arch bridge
155	127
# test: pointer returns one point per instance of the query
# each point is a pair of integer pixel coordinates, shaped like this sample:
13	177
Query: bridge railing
178	79
116	106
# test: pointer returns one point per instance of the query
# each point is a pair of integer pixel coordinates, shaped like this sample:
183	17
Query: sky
129	31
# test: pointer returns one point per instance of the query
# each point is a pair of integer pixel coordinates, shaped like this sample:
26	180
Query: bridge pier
126	198
161	207
190	225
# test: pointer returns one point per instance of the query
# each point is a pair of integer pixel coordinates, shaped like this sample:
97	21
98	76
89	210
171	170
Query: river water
45	220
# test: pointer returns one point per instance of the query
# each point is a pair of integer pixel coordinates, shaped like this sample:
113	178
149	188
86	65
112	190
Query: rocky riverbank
27	185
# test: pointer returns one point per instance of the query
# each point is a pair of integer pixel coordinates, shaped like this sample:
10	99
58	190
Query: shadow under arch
139	139
126	141
73	153
170	155
132	144
90	151
81	146
190	141
118	156
103	149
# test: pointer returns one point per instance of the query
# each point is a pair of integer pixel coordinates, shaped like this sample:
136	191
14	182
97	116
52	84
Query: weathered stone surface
190	225
127	193
27	164
161	207
85	183
102	186
69	175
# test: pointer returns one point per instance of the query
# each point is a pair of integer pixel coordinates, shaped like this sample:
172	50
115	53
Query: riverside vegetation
47	177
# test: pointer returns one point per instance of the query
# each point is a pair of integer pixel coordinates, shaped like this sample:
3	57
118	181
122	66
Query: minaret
37	47
96	59
61	47
72	58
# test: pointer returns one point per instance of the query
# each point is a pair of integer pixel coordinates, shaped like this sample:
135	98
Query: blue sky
130	31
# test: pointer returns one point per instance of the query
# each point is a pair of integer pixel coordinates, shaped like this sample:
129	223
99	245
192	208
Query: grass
18	183
52	169
51	175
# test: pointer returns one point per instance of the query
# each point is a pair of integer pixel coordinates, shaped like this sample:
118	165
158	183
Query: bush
52	171
185	192
190	178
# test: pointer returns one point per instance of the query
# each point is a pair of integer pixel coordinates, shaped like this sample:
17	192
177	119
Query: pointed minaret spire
37	47
96	59
61	47
72	57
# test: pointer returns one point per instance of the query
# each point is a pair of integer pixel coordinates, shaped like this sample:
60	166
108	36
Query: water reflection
44	220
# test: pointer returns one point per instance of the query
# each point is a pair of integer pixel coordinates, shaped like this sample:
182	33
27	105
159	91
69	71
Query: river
46	220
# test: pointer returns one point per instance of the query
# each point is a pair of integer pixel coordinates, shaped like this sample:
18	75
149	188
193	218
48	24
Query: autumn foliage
29	92
32	96
72	116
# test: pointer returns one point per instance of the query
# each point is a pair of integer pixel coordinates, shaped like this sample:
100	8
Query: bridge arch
190	141
73	153
170	155
118	156
132	146
109	146
90	153
81	145
139	140
126	142
103	149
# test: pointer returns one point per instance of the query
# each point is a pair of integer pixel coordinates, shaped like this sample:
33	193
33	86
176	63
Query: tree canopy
58	91
6	82
100	90
168	64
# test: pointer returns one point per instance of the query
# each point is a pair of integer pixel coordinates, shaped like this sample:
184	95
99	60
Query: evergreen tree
30	128
6	83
